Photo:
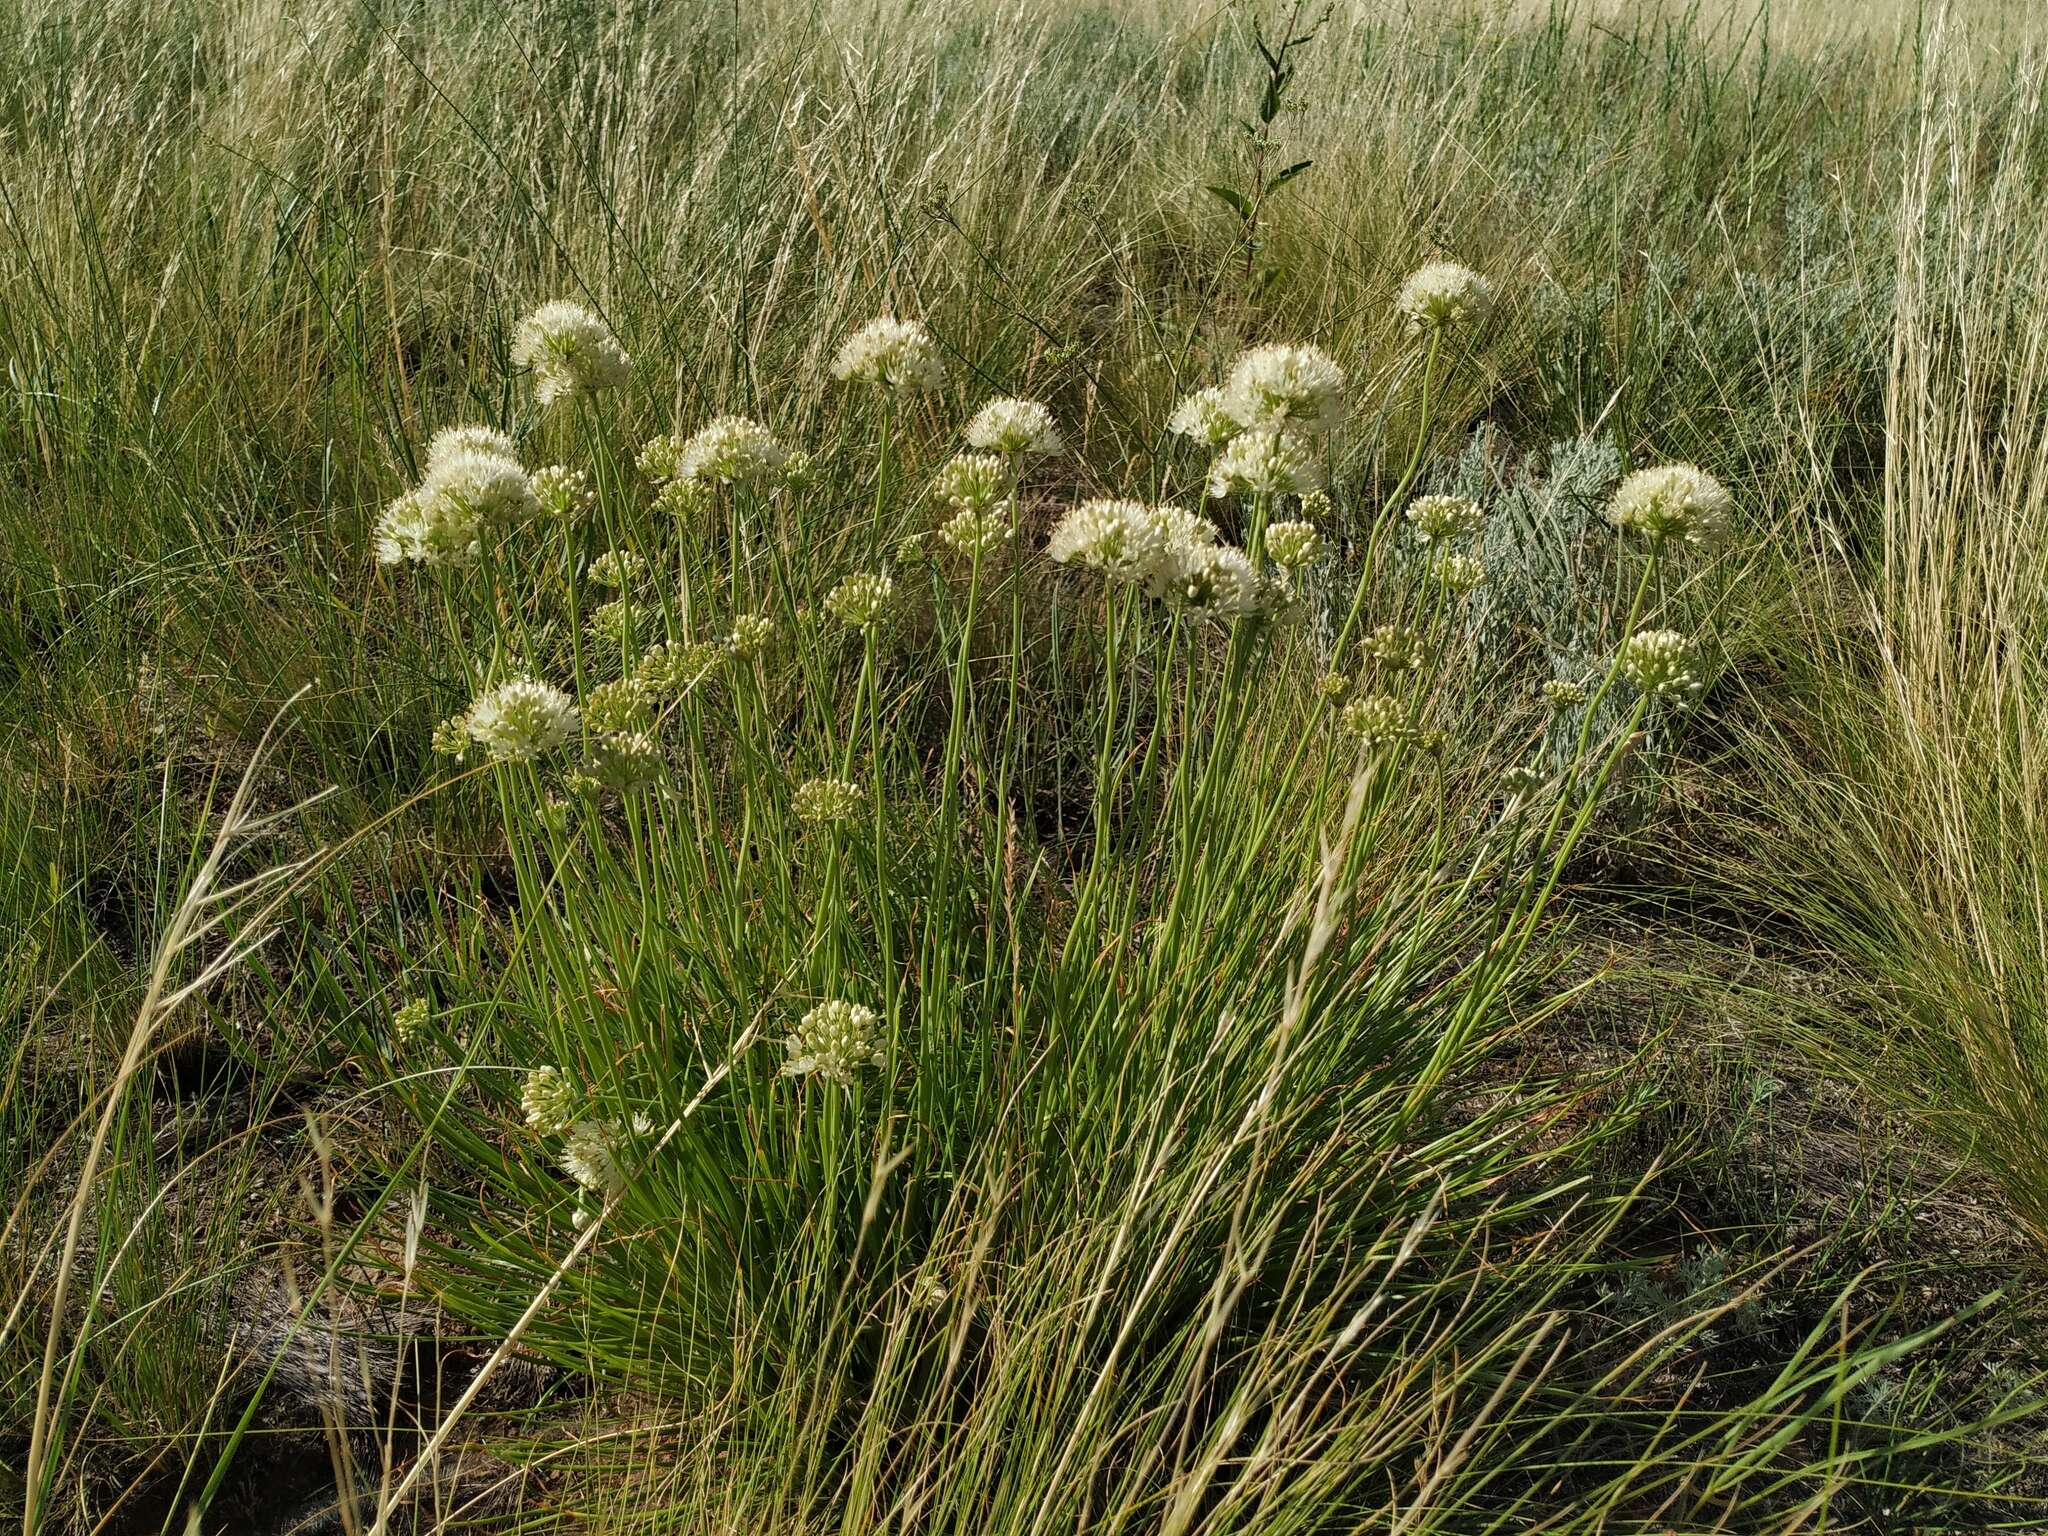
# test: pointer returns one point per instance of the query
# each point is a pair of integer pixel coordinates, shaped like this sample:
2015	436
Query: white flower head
593	1154
450	441
409	531
890	354
1021	428
468	492
1202	417
824	801
1293	545
835	1040
751	633
1264	464
733	450
1562	693
1672	500
1437	518
1663	664
1395	647
972	482
1376	719
570	350
1210	581
563	492
858	601
1442	295
549	1100
519	721
1120	538
972	533
409	1022
617	568
1290	388
623	762
1458	573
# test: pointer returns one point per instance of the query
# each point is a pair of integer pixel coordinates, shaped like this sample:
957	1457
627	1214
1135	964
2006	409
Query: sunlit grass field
961	765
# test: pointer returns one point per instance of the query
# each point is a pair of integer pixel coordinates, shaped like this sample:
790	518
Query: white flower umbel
1015	428
1376	719
519	721
733	450
972	533
563	492
1562	694
450	441
1663	664
835	1040
570	351
1442	295
1202	417
859	601
1117	537
617	568
549	1100
751	633
1210	581
1437	518
1672	501
1264	464
593	1154
824	801
409	1023
972	482
468	492
1458	573
891	354
1291	388
1395	647
623	762
1293	545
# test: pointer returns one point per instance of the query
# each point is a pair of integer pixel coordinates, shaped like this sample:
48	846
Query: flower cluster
621	763
1441	295
473	484
669	670
617	568
1285	388
1663	664
732	450
824	801
973	533
1396	647
562	492
858	601
570	350
549	1101
1437	518
1672	501
1203	417
972	482
1015	428
1458	573
1264	463
1209	581
519	721
409	1022
751	633
1293	545
890	354
835	1040
594	1151
1376	719
1562	694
